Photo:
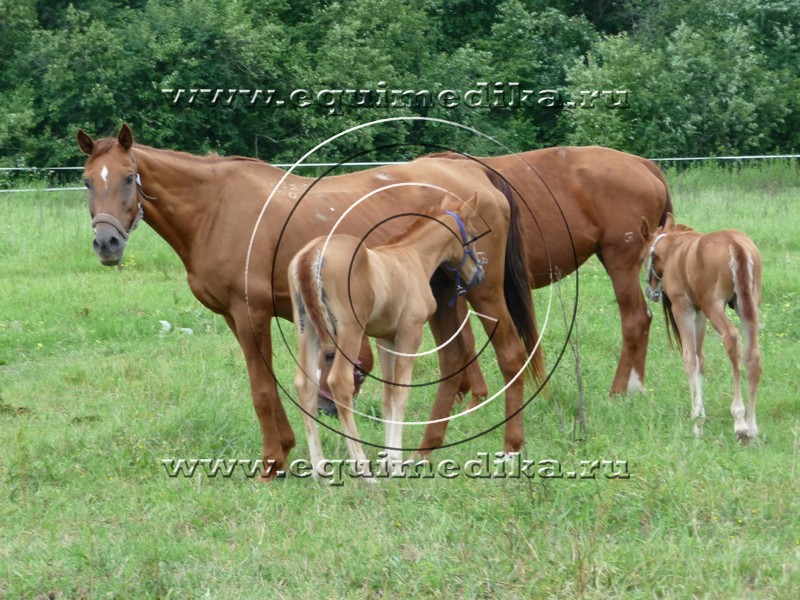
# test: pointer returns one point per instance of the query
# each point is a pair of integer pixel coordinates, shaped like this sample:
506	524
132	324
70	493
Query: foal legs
397	371
306	383
752	361
691	327
730	337
340	380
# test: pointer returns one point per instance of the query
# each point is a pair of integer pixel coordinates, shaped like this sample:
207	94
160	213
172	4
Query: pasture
94	394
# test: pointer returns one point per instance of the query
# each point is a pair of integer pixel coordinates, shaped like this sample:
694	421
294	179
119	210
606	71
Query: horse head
653	256
469	268
112	180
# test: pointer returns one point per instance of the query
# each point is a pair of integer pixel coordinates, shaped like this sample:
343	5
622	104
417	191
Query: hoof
271	476
743	436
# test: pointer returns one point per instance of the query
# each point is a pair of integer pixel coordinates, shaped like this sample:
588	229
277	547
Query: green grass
93	396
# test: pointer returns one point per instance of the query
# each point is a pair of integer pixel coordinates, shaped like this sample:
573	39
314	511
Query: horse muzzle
653	294
477	279
109	244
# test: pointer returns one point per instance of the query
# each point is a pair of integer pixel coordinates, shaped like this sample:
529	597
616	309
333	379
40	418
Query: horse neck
187	192
430	245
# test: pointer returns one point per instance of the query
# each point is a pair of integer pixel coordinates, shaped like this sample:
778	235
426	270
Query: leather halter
653	294
109	219
461	288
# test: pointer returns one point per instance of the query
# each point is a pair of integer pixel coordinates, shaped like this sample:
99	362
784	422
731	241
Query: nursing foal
697	275
342	290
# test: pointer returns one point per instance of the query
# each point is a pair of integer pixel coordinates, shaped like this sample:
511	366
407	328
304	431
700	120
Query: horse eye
87	183
329	356
129	179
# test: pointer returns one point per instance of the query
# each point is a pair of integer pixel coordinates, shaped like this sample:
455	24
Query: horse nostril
113	244
96	245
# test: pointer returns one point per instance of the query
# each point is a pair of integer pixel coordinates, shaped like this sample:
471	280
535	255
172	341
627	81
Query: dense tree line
700	78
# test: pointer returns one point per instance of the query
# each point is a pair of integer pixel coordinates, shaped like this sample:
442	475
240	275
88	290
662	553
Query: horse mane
104	145
209	157
421	219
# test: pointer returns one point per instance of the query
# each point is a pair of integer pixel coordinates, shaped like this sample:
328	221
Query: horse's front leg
687	319
444	323
472	378
388	358
407	343
276	432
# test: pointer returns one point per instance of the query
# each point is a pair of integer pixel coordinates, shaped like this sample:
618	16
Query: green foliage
689	99
703	78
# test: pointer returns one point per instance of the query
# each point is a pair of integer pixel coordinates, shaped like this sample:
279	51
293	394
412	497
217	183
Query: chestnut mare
206	208
341	290
579	201
696	275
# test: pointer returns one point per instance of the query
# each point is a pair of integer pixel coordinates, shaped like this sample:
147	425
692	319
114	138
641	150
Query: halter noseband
653	294
113	221
462	289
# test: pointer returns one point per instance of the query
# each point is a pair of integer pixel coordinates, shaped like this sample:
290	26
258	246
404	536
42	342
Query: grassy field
93	396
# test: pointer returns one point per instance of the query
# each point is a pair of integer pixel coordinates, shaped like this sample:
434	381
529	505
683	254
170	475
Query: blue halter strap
462	289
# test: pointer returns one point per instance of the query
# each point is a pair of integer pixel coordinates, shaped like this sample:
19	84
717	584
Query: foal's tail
516	280
309	286
746	271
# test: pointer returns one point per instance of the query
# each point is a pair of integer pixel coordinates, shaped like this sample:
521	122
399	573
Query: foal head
464	223
653	255
111	177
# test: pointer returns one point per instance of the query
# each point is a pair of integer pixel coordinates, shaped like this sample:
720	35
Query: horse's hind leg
623	269
698	410
307	384
752	361
733	346
340	380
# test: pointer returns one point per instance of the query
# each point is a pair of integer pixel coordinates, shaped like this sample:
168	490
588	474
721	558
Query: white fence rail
361	164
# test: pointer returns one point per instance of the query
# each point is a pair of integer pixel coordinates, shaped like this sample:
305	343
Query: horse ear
450	202
85	142
125	137
669	224
645	229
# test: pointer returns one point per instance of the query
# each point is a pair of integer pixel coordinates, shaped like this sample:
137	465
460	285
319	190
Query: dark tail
669	318
516	281
659	174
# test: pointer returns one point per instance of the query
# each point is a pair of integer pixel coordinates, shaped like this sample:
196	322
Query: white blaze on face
104	175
